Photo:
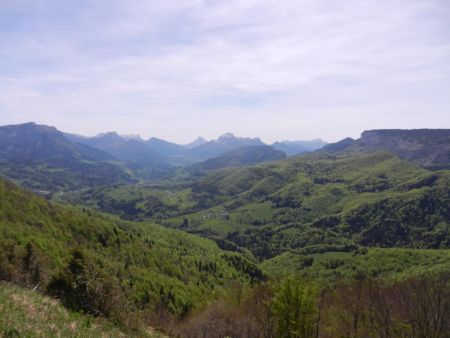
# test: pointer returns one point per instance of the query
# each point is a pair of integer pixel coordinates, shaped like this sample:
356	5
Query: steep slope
240	157
337	147
429	148
41	143
42	158
131	268
426	147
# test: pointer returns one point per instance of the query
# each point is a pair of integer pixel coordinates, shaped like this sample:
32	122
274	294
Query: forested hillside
320	241
315	200
100	265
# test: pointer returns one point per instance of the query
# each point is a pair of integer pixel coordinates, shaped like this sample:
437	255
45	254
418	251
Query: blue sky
287	69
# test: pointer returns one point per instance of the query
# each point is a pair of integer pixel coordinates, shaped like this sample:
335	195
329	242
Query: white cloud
176	69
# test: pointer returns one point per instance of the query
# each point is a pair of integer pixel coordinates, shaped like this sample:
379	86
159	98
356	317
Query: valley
152	237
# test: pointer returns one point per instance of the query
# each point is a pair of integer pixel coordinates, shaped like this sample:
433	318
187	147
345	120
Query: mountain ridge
42	158
429	148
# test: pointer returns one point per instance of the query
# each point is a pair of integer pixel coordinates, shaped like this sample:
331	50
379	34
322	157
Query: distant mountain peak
227	136
109	134
197	142
28	124
298	147
33	126
135	137
230	137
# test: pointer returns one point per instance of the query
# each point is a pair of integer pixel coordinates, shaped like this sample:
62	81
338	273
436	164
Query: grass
25	313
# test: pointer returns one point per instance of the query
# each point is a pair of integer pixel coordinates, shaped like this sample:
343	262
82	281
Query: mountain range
45	159
136	232
122	148
158	151
299	147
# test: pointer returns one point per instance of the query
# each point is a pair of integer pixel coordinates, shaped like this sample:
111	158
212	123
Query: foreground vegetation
96	264
29	314
314	246
365	307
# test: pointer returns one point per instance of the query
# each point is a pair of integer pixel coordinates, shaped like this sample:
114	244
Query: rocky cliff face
427	147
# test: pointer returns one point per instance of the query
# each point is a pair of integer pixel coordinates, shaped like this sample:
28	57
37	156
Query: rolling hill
336	202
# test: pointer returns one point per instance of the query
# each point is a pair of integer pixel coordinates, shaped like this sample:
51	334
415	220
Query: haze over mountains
177	154
120	147
179	224
43	158
174	179
30	151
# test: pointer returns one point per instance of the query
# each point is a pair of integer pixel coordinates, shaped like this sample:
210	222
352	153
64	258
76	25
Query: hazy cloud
177	69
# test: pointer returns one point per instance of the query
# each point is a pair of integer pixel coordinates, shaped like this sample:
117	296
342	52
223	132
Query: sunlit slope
366	199
143	264
29	314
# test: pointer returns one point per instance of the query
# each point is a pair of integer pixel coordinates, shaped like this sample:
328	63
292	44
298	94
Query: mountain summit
43	158
197	142
225	143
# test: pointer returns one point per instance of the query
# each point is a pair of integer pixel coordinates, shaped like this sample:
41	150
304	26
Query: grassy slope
29	314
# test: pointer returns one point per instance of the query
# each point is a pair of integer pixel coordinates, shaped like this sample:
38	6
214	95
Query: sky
177	69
